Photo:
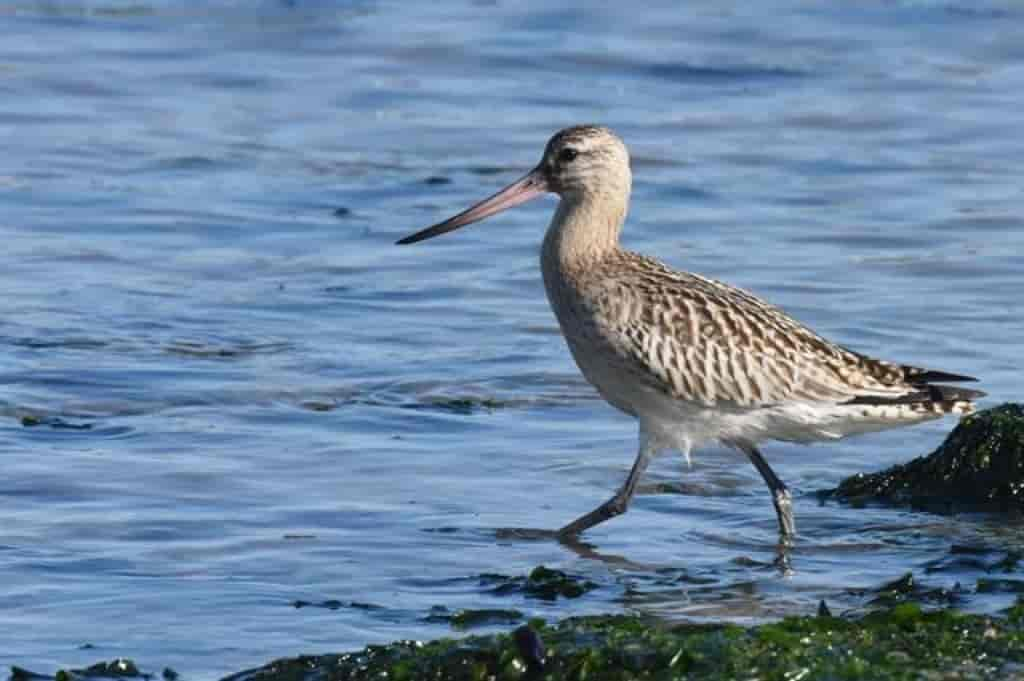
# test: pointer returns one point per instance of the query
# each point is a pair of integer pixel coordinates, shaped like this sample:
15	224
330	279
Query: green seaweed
903	642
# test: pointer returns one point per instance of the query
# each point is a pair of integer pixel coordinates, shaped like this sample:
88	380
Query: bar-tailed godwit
694	360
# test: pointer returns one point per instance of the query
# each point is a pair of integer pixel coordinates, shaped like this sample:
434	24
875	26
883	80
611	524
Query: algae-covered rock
101	671
544	583
470	618
980	466
903	642
900	643
548	584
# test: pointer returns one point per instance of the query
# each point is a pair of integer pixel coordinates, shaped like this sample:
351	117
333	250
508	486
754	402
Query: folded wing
707	342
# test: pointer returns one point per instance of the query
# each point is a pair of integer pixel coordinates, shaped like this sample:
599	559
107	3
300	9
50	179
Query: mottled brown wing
704	341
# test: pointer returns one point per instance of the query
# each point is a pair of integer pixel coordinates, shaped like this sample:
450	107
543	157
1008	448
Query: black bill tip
423	234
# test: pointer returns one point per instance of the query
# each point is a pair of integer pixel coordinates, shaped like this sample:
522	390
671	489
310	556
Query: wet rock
53	422
544	583
531	649
907	590
904	585
898	591
468	619
121	668
980	466
548	584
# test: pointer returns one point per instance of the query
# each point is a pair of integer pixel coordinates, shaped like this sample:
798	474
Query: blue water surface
224	391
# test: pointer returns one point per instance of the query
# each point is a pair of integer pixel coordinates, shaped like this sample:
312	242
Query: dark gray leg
617	505
781	497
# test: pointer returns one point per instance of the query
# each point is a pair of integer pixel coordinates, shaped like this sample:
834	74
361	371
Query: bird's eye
568	155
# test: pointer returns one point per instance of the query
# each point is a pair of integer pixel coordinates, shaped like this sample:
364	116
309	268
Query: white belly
682	425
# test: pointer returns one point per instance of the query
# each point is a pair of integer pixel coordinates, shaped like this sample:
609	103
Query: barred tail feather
938	399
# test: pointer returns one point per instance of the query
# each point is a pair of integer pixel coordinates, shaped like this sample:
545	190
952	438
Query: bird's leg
781	497
617	505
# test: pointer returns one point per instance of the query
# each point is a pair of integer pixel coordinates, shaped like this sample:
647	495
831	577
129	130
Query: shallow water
246	396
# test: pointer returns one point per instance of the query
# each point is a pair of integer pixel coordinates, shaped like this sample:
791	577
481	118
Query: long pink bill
528	187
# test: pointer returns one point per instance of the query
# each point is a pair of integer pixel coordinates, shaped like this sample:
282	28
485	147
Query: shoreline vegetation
902	642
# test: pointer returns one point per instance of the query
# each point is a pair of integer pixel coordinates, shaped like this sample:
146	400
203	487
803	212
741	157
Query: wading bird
694	360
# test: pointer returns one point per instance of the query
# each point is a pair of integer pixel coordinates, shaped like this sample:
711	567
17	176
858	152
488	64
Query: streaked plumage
694	359
708	345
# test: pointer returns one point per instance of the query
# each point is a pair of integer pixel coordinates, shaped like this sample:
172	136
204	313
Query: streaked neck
585	228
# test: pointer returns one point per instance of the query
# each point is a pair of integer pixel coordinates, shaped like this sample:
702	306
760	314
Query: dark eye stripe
568	155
